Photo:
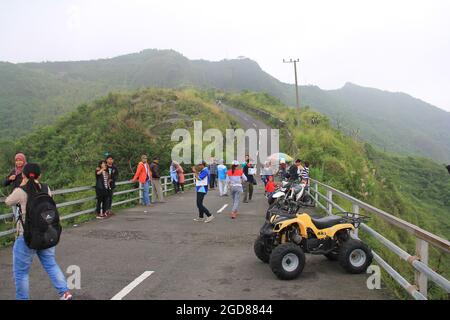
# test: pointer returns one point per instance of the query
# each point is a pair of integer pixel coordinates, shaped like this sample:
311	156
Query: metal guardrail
419	261
166	183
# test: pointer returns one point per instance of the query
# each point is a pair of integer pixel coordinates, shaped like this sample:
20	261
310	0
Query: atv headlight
277	227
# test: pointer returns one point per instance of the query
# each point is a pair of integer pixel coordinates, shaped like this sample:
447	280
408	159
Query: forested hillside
32	94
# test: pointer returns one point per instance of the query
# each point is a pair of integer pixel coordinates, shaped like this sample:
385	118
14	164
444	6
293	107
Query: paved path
190	260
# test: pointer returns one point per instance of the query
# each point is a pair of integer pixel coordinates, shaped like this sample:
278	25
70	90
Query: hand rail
409	227
166	180
419	261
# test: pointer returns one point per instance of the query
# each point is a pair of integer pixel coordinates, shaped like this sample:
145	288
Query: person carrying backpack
38	232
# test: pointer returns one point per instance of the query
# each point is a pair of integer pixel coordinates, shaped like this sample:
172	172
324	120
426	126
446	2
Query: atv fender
331	232
280	226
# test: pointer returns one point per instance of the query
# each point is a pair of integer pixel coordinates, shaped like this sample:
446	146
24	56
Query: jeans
236	192
146	198
201	208
15	211
176	186
223	187
22	260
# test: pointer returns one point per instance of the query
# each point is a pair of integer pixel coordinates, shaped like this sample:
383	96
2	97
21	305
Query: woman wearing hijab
181	178
15	177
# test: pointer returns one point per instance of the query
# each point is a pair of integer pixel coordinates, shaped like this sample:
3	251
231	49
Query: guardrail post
141	193
165	186
420	278
329	204
355	210
316	193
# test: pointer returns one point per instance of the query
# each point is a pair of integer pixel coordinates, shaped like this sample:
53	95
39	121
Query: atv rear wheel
355	256
260	250
287	261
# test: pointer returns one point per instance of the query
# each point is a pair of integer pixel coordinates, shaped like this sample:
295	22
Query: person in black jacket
156	183
248	185
114	176
102	189
295	170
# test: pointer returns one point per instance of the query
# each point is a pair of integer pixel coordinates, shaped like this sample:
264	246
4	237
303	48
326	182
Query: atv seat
326	222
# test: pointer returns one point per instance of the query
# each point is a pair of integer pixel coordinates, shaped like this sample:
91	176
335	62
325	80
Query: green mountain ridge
37	93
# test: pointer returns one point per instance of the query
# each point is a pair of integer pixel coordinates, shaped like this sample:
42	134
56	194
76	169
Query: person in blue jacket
201	186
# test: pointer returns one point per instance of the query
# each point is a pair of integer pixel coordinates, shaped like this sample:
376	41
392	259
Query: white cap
235	163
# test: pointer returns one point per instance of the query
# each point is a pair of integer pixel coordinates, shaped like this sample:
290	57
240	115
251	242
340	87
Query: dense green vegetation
415	189
33	94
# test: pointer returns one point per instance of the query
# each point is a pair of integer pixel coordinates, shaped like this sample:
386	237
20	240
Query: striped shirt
305	173
105	179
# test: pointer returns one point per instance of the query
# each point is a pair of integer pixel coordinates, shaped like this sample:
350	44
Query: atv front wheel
287	261
260	250
355	256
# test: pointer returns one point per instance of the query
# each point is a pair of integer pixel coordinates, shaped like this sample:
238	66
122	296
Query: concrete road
190	260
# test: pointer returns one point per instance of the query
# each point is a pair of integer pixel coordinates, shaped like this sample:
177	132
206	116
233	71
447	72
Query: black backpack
41	229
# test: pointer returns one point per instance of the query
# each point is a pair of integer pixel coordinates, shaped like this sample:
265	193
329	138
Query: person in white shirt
222	178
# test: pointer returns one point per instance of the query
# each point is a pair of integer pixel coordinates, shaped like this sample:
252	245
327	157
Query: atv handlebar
354	218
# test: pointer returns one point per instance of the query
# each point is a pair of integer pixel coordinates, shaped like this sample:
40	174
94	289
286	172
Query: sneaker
199	219
99	216
209	219
66	296
233	215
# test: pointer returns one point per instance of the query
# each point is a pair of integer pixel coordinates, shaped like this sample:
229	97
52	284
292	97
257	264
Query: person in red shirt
270	186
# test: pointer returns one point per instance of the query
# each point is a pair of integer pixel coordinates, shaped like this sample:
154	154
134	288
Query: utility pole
294	61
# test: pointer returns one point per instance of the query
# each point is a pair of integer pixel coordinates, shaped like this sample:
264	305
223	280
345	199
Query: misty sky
392	45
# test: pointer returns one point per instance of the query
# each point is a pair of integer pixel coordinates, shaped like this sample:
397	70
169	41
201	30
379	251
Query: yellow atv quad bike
284	240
